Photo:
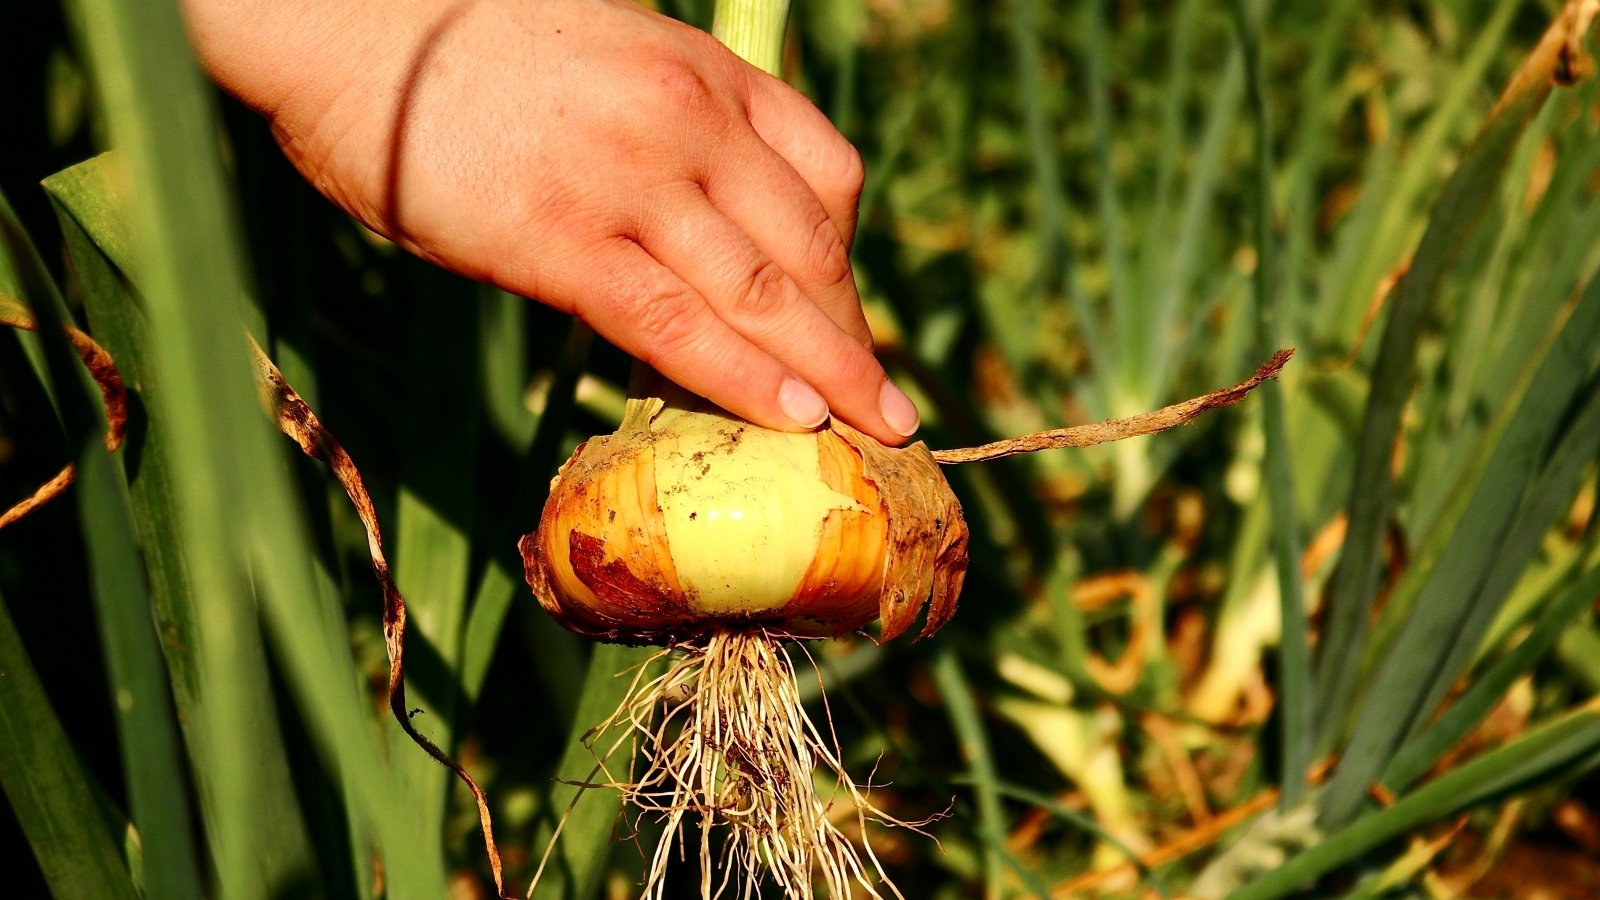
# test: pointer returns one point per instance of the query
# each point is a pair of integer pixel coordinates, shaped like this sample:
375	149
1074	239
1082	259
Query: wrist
291	60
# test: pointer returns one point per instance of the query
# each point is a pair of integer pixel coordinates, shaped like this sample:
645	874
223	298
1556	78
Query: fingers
650	313
799	132
753	293
785	219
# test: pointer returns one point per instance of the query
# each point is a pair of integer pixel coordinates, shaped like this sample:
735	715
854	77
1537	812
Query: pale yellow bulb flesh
743	514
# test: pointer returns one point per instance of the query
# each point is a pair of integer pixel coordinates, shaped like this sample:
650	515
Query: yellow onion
688	520
693	528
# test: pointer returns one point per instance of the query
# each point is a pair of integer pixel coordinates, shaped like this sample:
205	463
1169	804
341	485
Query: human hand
606	160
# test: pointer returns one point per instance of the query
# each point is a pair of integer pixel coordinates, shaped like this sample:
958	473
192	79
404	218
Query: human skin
592	154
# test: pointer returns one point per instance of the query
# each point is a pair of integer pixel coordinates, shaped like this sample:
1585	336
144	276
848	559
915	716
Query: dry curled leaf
113	395
1119	429
296	420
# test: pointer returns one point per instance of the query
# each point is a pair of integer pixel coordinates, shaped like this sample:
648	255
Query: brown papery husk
721	740
927	559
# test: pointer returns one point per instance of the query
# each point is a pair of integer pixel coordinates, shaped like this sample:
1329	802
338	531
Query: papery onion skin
688	520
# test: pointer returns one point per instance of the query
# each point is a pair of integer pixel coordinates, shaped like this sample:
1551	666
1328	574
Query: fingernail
804	406
899	413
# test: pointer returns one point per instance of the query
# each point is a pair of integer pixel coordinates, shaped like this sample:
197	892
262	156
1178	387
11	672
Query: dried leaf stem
1200	836
113	394
1118	429
296	420
46	492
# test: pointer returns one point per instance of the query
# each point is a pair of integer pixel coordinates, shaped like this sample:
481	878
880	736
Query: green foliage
1386	561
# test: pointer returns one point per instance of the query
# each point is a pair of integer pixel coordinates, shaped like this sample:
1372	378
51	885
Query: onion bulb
689	520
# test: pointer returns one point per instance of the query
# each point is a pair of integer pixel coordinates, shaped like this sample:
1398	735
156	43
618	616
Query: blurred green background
1337	640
